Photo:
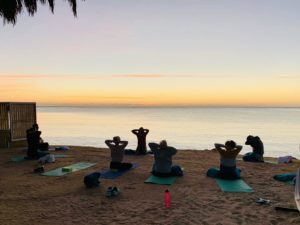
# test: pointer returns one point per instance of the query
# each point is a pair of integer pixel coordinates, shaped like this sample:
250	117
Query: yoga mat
272	162
233	185
18	158
109	174
75	167
21	158
160	180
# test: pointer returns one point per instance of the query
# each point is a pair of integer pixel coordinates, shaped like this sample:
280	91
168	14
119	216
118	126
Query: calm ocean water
183	128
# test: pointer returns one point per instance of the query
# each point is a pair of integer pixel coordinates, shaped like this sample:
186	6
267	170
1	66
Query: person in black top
257	154
35	143
141	136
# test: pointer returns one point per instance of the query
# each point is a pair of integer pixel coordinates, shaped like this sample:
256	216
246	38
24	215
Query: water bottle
167	199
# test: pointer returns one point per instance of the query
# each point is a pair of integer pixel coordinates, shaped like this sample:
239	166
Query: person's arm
124	143
238	148
220	148
153	146
173	150
108	142
135	131
146	131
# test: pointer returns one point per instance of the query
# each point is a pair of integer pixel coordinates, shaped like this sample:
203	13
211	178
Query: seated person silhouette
162	166
257	154
33	140
141	136
228	154
117	147
42	146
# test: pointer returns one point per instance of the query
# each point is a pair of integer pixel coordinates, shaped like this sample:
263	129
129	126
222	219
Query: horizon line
164	106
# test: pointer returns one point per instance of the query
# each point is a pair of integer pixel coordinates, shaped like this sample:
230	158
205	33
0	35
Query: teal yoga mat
18	158
21	158
75	167
233	185
160	180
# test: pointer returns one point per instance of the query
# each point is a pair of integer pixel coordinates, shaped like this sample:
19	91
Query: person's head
163	144
35	126
141	129
116	139
229	145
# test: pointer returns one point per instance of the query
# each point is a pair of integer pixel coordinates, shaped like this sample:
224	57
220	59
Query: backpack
92	180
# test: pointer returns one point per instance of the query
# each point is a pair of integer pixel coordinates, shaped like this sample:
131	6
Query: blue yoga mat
110	174
233	185
21	158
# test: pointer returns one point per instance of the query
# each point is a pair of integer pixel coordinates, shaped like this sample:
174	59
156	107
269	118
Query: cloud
106	97
112	76
296	77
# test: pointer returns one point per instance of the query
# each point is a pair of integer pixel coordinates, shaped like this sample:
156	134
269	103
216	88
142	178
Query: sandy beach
28	198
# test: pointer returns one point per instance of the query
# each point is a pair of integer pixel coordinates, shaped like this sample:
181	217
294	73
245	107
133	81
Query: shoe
39	169
115	191
109	192
263	201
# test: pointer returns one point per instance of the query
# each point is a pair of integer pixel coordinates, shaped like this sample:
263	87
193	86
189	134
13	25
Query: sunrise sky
155	53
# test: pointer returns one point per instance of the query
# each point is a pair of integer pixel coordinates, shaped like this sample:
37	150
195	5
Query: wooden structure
15	119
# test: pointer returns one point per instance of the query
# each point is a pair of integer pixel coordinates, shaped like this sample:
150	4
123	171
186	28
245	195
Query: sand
28	198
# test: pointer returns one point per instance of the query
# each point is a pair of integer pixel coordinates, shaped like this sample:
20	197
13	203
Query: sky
154	53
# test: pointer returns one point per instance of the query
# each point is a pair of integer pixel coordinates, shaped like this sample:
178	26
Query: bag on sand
92	180
50	158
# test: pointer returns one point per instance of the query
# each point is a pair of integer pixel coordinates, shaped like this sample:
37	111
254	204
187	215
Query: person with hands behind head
228	154
163	166
141	136
117	147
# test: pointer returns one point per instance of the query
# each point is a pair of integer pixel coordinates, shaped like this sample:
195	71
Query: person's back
141	136
33	143
228	154
163	157
257	154
117	147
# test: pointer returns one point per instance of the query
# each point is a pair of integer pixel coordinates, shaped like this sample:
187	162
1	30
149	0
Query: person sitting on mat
42	146
162	166
141	136
228	153
257	154
117	147
33	140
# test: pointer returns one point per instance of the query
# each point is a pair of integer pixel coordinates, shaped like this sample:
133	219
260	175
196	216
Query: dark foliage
9	9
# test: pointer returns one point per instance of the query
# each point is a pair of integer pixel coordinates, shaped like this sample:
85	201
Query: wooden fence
15	119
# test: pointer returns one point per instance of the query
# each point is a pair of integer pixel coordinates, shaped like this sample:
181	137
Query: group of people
163	153
228	154
162	166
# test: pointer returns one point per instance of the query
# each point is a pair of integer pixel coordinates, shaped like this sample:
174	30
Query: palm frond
9	9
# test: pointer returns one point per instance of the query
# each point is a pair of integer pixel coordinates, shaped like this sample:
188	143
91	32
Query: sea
196	128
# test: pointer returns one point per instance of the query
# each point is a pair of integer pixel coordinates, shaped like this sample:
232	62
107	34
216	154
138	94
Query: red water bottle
167	198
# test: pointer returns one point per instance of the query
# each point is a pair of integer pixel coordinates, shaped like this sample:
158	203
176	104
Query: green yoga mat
271	162
21	157
160	180
75	167
233	185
